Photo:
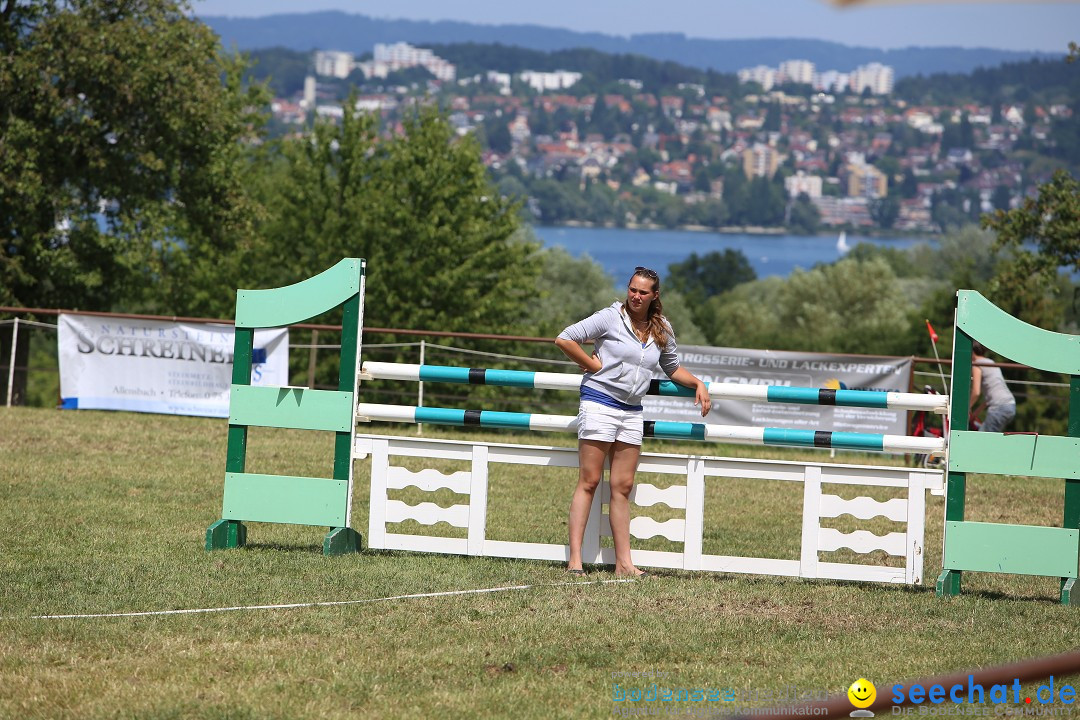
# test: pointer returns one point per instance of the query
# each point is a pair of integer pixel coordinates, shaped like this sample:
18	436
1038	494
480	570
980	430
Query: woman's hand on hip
594	364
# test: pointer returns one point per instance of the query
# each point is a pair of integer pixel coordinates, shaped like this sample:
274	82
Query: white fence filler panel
689	497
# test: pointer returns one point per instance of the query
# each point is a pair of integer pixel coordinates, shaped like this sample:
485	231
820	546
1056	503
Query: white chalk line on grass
325	603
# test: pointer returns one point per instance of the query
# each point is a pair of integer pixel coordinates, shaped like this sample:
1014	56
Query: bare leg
624	461
591	455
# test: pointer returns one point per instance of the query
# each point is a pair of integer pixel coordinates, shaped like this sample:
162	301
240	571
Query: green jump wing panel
1019	549
1016	339
298	408
299	302
1047	456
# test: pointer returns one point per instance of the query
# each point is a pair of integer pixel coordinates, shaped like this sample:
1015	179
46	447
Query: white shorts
608	424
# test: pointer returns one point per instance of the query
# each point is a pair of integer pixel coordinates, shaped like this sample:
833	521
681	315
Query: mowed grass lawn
106	513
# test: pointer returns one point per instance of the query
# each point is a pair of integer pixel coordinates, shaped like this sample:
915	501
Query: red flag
933	335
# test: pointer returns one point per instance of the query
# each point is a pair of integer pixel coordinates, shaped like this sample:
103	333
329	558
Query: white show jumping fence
388	473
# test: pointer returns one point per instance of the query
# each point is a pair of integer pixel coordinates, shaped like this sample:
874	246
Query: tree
850	306
699	278
1001	198
773	118
765	205
909	186
1050	223
567	289
120	136
884	211
497	131
439	238
804	217
124	141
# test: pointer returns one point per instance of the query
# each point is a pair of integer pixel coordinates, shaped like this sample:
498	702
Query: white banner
790	369
159	367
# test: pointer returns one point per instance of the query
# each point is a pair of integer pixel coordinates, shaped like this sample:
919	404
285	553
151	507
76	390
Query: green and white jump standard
279	498
1000	547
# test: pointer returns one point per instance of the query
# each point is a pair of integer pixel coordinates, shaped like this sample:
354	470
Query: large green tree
699	278
121	158
438	236
118	136
1042	236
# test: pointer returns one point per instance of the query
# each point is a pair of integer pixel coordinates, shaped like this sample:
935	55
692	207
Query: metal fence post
11	365
311	358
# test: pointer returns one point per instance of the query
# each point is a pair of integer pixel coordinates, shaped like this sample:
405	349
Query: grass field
106	513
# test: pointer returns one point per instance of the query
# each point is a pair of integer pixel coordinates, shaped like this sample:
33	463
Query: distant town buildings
763	75
800	183
866	181
386	59
760	160
542	81
332	63
876	77
938	163
401	56
800	72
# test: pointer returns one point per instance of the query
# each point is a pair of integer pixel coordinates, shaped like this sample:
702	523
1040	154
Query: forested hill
358	33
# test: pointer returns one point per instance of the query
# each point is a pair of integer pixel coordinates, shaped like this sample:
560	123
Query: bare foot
631	572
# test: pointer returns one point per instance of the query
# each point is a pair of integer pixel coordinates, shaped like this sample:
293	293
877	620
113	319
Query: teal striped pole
727	391
371	412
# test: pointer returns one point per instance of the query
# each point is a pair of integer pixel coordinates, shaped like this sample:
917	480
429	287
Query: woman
631	340
988	384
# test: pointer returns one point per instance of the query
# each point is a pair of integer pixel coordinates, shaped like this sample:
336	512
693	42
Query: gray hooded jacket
628	366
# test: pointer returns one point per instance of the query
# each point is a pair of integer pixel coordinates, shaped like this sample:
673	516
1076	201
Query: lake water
620	250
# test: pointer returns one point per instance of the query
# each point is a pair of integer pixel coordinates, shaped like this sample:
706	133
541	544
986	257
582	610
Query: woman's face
639	295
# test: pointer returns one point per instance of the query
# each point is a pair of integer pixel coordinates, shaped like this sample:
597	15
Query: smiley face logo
862	693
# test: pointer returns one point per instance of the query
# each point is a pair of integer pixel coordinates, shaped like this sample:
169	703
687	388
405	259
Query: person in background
632	339
988	384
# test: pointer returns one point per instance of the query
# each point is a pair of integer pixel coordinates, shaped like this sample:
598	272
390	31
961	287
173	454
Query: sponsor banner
157	366
792	369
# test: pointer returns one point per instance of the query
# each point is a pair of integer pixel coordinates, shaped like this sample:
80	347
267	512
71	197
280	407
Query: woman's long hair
658	325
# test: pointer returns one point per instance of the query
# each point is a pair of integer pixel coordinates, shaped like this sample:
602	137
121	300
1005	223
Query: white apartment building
311	87
333	63
796	71
877	77
542	81
800	183
400	56
831	81
502	80
763	75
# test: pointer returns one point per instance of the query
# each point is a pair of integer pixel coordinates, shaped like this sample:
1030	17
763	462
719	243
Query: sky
1005	24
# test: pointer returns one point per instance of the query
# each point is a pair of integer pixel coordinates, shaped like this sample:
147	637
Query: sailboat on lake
841	244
